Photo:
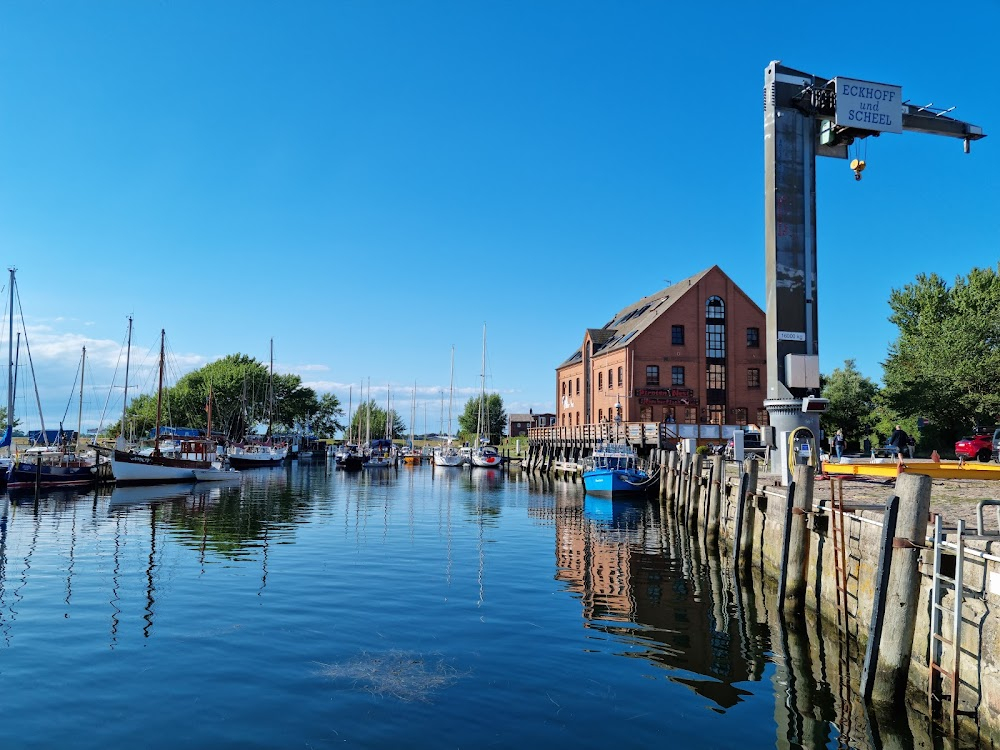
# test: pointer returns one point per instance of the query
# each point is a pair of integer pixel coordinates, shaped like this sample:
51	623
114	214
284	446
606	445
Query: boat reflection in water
653	587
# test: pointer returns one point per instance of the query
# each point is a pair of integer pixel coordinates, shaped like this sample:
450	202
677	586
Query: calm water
303	607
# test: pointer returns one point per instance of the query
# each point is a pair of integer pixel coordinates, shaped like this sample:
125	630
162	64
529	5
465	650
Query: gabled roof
520	417
630	321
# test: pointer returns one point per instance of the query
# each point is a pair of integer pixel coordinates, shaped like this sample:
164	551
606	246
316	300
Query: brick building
691	353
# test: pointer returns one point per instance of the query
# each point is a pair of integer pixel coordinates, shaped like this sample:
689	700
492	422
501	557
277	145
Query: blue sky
369	183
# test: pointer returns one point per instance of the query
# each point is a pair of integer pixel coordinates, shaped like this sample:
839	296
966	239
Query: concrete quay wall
979	656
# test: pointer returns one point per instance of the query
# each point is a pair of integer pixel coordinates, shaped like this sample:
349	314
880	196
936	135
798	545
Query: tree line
940	374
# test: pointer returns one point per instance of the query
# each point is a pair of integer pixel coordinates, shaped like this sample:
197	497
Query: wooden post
750	469
682	484
715	500
798	541
901	594
663	474
672	459
693	514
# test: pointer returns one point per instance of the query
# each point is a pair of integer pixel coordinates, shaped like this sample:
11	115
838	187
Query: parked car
978	446
996	445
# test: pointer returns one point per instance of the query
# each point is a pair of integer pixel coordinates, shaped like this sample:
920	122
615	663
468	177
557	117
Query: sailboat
172	458
380	458
483	454
55	465
259	455
411	456
447	455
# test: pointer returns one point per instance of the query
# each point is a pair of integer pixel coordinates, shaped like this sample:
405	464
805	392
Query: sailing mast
482	391
79	415
451	391
10	369
270	396
350	405
120	443
159	396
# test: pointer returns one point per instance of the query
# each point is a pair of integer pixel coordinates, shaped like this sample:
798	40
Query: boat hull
28	475
455	459
615	484
262	462
132	468
215	474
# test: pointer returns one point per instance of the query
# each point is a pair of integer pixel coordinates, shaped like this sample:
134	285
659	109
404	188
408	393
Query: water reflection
646	586
644	580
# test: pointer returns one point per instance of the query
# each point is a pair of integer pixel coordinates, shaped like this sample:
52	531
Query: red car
978	446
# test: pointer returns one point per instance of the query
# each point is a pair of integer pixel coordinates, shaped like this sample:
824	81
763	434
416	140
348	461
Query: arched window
715	308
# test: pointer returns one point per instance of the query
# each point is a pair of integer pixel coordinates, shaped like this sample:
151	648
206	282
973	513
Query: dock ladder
841	577
937	671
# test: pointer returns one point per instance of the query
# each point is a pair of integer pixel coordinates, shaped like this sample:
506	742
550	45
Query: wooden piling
798	541
694	505
683	478
663	473
714	501
895	645
672	460
746	534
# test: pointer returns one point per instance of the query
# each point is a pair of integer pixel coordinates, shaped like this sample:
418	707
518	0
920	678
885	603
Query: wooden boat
611	472
171	458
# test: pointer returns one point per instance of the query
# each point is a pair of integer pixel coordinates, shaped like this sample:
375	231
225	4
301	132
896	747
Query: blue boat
612	472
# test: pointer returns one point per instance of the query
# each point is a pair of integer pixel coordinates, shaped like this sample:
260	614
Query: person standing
898	440
838	443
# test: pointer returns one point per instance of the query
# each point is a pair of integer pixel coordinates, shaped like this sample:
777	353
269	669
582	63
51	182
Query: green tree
360	427
943	364
853	401
494	415
240	400
326	421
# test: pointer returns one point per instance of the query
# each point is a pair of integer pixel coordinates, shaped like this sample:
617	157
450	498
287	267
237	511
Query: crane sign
806	116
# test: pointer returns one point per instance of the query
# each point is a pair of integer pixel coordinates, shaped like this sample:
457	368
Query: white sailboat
259	455
483	454
448	455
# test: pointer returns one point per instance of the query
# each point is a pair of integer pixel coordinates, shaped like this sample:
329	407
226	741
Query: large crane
806	116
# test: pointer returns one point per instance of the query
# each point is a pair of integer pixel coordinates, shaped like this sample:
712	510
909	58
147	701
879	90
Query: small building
693	353
519	424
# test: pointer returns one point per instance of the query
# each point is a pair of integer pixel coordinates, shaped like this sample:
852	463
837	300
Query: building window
652	374
646	414
716	414
677	335
763	417
753	377
600	415
563	420
691	415
677	375
669	414
578	387
753	338
715	340
578	419
715	376
600	381
610	383
741	415
715	309
619	377
564	388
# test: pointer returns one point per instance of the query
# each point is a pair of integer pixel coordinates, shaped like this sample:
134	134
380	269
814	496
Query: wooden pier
550	448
